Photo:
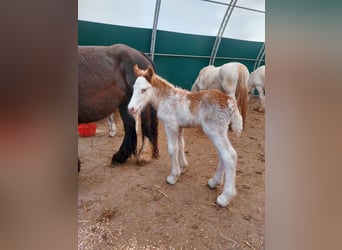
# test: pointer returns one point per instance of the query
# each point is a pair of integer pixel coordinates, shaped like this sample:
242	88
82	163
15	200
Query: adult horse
230	78
105	83
257	81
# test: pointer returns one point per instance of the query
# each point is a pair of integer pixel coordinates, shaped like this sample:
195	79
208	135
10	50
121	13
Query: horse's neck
164	90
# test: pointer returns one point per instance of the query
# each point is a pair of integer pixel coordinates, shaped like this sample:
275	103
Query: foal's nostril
131	110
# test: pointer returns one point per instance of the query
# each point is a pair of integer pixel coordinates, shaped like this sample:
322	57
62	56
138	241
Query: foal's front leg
173	148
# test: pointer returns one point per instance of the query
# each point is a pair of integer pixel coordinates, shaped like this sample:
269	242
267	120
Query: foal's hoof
171	179
223	200
213	184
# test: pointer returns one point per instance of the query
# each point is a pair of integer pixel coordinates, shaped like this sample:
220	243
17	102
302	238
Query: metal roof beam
222	28
154	30
261	54
237	6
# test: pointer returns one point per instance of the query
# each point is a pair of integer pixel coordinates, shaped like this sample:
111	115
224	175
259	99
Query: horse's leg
251	92
149	127
260	90
183	163
129	144
227	155
230	158
111	125
217	180
172	144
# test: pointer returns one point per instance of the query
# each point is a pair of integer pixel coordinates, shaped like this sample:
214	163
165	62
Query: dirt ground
132	207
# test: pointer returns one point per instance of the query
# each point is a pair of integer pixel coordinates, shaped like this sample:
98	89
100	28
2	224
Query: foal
178	109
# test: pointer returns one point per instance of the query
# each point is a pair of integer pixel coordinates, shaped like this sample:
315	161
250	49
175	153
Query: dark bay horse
105	83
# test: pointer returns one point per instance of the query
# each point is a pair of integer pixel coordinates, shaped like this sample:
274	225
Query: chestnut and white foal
178	109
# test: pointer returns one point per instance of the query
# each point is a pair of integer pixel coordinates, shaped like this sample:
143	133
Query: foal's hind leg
217	180
129	144
227	156
183	163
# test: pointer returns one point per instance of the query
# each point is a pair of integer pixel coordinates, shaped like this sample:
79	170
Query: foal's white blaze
142	93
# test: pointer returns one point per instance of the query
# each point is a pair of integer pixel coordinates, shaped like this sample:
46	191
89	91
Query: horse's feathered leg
149	127
129	144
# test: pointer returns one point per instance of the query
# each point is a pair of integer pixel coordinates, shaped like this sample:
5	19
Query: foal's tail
236	118
241	92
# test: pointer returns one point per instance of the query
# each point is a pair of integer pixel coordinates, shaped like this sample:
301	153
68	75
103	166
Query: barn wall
179	57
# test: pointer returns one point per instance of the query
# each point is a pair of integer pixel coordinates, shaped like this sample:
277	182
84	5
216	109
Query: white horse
112	126
230	78
257	81
178	109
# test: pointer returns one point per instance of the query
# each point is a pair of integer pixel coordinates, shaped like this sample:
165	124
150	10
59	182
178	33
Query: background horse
230	78
111	121
105	83
257	81
111	125
179	108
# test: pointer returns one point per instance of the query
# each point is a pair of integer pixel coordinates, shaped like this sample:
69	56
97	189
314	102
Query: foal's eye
143	90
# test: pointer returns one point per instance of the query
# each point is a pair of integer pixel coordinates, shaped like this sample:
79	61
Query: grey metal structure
260	57
154	29
228	13
222	28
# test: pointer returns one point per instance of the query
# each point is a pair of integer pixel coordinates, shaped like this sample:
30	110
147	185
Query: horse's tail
236	118
241	92
194	87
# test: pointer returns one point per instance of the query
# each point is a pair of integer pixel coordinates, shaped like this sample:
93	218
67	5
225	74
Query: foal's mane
154	79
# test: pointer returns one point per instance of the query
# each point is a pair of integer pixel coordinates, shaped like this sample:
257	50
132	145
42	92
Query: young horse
230	78
257	81
179	108
105	83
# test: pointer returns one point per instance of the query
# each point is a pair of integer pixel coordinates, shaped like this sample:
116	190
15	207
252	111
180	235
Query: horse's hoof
183	169
222	200
145	155
115	164
171	180
118	159
143	159
213	184
112	134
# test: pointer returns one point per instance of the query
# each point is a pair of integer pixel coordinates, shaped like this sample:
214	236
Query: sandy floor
131	207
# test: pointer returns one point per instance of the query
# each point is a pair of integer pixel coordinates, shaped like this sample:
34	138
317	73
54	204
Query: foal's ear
149	73
137	71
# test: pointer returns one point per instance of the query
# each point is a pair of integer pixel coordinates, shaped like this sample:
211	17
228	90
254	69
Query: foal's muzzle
133	111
